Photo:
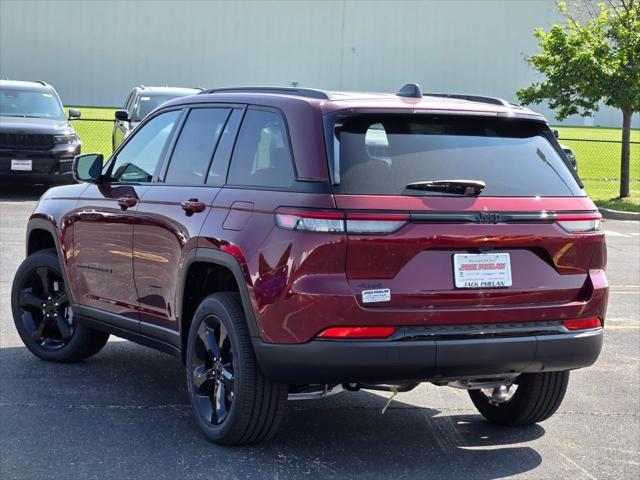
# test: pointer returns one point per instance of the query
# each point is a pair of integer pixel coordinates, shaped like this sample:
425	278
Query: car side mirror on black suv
87	168
122	115
74	113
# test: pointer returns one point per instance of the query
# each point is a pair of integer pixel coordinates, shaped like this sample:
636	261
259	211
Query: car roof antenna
410	90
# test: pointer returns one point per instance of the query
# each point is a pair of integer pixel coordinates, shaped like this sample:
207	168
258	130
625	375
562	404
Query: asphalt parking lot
124	413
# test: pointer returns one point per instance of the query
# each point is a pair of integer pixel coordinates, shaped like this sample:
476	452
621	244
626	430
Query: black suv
140	102
37	142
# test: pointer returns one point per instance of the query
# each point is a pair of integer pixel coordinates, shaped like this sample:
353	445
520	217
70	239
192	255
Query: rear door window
262	156
380	154
195	146
218	170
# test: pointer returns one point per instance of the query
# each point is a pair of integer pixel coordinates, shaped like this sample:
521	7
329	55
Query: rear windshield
382	153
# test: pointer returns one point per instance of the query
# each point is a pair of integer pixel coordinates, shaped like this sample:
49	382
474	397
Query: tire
233	402
537	397
56	340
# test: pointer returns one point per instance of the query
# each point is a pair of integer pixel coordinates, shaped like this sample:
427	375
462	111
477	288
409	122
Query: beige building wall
95	51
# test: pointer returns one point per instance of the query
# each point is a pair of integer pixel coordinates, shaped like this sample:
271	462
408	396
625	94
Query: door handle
127	202
191	206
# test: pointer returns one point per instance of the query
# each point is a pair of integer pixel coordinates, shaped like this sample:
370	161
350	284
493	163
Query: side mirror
74	113
87	168
122	115
556	133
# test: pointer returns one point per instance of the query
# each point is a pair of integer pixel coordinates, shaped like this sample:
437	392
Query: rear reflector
582	324
324	221
357	332
579	223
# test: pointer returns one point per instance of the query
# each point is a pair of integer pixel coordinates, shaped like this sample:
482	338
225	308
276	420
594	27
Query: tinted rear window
262	156
382	153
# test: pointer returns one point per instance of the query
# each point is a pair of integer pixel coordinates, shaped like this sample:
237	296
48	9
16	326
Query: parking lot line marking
619	319
575	464
611	233
622	327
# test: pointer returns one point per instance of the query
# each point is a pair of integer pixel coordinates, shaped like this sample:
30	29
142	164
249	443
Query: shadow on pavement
124	414
21	193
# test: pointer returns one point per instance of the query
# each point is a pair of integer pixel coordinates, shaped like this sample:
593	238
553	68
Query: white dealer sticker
378	295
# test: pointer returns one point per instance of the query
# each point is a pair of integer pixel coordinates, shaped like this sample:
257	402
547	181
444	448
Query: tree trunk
627	113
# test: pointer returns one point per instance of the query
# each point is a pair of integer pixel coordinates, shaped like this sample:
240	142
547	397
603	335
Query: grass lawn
595	133
95	127
105	113
598	163
631	204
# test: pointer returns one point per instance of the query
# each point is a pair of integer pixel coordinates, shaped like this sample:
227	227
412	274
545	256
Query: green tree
593	57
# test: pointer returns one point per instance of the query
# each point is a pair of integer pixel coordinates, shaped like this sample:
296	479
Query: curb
618	215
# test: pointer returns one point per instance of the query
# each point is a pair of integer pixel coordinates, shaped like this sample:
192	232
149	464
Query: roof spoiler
475	98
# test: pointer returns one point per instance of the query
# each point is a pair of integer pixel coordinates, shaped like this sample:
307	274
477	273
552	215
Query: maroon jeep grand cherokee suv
295	243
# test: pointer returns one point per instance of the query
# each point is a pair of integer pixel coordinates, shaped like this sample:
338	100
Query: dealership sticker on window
378	295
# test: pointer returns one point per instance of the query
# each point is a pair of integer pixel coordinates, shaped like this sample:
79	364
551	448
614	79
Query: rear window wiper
458	187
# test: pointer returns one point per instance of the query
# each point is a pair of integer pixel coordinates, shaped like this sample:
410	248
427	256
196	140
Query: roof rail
410	90
473	98
298	92
41	82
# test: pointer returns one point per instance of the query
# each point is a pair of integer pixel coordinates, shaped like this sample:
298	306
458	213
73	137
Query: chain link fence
598	160
95	134
599	165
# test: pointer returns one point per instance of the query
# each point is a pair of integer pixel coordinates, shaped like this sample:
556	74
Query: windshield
29	103
147	103
381	154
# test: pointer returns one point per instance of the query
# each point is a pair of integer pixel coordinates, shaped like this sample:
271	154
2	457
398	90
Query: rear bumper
331	361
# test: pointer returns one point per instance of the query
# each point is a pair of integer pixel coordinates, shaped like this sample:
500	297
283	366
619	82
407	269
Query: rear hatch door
524	239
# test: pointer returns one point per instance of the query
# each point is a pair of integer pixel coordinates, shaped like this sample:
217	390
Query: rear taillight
582	323
311	221
324	221
357	332
579	223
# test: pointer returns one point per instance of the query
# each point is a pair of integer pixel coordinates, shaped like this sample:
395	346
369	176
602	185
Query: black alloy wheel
44	308
233	402
212	370
43	314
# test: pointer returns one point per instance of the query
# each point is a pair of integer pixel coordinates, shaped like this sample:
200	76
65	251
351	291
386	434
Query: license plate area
21	165
482	270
